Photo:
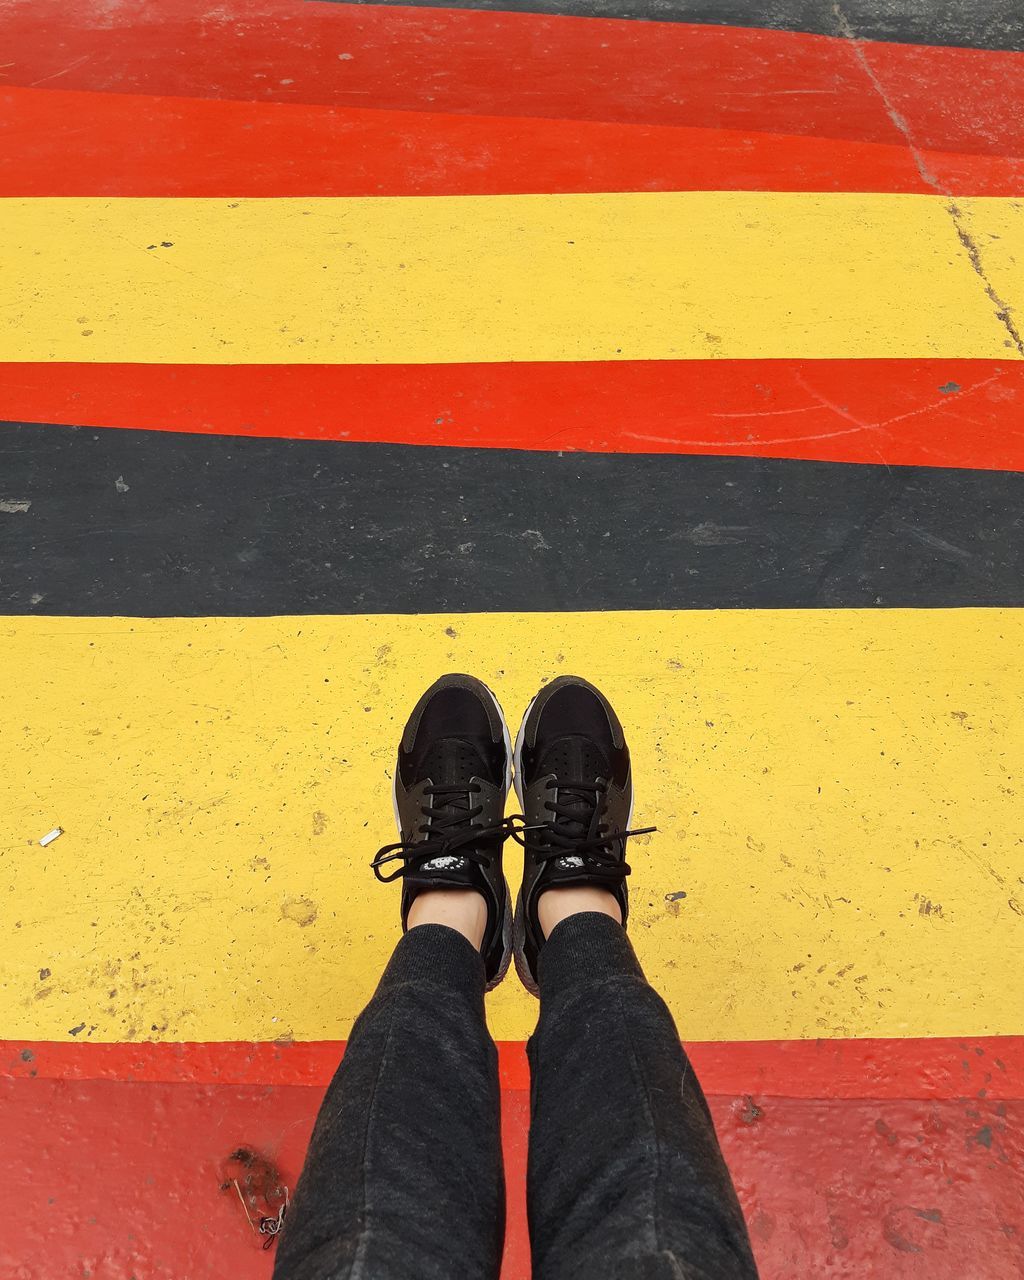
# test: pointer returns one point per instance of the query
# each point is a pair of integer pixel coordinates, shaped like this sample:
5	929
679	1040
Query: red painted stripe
69	144
953	413
125	1179
986	1066
522	65
948	93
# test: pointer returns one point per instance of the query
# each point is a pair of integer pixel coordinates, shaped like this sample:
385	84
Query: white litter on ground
51	836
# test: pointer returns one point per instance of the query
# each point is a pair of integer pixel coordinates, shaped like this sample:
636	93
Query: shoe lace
447	829
577	828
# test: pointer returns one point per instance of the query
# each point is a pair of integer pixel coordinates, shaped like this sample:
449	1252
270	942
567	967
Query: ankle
557	904
463	910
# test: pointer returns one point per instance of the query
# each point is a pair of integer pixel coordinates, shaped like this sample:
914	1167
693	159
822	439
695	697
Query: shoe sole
507	926
526	975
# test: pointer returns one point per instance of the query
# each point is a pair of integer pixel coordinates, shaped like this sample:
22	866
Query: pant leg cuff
586	947
435	954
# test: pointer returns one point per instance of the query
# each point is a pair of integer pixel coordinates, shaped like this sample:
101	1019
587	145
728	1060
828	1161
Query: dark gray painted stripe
984	24
155	523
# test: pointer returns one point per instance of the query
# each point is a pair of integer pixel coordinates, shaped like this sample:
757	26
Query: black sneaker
452	778
573	781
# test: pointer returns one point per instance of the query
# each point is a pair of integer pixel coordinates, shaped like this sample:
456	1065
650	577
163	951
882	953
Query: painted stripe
836	794
295	527
940	413
88	144
936	1068
988	24
659	275
889	1189
526	65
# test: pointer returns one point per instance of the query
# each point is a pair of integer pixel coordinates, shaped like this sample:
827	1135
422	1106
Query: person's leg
403	1179
626	1179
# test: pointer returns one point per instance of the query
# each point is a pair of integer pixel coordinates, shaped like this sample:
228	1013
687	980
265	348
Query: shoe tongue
450	762
575	759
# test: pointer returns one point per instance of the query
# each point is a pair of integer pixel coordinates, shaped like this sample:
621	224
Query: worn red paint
942	413
59	143
990	1067
124	1179
524	64
860	1189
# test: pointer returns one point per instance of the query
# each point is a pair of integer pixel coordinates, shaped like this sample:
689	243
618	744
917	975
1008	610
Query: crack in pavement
1003	310
857	45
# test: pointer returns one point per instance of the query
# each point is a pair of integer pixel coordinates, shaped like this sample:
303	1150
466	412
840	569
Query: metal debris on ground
261	1190
270	1227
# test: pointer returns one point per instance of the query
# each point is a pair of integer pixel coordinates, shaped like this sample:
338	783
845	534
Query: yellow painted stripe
837	793
493	278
